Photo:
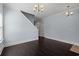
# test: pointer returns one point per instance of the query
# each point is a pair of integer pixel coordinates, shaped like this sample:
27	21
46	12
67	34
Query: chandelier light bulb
68	12
71	13
35	6
42	9
41	6
34	9
38	8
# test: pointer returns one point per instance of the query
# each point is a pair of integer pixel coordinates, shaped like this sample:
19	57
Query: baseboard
19	42
1	47
65	41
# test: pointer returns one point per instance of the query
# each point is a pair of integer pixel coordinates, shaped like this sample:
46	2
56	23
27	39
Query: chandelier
38	8
68	12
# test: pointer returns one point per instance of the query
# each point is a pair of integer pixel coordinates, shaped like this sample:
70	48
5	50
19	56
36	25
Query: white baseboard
1	49
19	42
1	46
63	40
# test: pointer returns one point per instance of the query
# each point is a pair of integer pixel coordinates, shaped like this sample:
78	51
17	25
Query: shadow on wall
31	17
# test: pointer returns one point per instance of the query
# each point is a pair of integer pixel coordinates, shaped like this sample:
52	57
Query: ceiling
50	8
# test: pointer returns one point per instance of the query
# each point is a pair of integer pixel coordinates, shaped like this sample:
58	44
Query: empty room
39	29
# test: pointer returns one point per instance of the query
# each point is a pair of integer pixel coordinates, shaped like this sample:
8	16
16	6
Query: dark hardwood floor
41	47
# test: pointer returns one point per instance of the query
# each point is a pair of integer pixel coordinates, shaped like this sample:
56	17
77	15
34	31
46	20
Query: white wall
1	28
62	28
17	28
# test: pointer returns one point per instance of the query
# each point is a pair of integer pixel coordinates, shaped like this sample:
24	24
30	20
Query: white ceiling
50	8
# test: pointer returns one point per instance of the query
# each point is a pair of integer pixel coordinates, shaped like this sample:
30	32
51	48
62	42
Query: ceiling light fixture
38	8
68	12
